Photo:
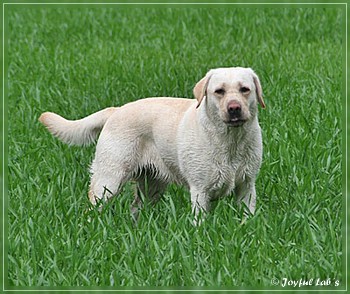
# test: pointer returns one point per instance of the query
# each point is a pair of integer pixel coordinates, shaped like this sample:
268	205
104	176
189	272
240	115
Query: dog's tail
76	132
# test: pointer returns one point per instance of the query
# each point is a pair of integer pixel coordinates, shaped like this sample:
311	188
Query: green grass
79	60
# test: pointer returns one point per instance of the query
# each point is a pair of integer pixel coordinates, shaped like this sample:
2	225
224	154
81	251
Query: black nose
234	110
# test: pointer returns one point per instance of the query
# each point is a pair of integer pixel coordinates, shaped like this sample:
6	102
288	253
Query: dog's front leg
200	205
246	193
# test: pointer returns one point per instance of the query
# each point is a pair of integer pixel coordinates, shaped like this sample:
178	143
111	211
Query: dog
211	145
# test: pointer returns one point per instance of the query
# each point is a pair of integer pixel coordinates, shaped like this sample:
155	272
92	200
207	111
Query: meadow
75	60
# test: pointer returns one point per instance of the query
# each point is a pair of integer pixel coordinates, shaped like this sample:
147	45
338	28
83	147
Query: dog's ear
200	89
258	88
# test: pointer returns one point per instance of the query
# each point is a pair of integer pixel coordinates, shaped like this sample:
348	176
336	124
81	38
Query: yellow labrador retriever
212	145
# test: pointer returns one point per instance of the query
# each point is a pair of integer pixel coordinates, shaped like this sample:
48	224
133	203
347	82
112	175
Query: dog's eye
244	90
220	91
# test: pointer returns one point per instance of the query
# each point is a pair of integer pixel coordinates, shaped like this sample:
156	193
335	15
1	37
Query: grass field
77	60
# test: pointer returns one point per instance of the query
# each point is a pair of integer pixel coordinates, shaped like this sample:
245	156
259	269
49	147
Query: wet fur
157	141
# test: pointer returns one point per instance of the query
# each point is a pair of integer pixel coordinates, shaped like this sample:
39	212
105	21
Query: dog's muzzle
234	113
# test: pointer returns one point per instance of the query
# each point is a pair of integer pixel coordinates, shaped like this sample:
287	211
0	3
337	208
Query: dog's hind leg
104	186
246	193
149	189
200	205
107	177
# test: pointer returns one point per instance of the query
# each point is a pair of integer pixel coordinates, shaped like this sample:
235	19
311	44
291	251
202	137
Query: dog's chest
227	173
230	169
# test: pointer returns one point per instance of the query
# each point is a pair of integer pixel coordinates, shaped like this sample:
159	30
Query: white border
170	289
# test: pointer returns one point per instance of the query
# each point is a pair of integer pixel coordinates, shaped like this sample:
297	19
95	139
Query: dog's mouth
235	122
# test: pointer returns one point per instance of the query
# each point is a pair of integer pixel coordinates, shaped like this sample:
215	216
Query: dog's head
233	92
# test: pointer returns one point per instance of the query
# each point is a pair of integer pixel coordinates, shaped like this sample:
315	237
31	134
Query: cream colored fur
155	141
